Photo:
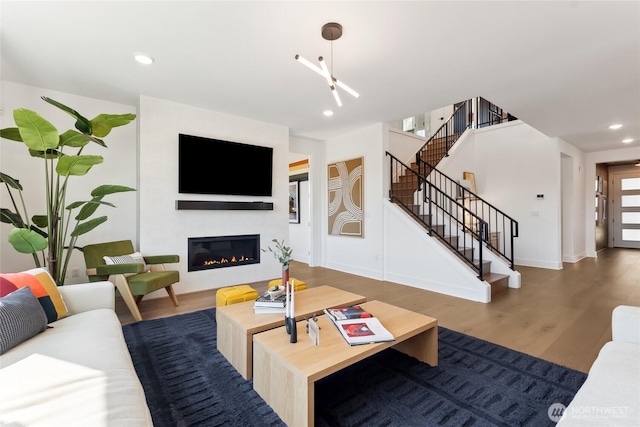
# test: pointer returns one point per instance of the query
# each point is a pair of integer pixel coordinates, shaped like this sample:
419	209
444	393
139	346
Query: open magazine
363	329
343	313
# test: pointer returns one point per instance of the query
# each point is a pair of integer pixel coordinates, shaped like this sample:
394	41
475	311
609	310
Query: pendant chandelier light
331	31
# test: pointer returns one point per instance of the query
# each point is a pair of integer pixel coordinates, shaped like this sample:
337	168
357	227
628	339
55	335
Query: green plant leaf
87	210
37	230
282	253
74	205
82	123
36	132
10	217
103	190
13	183
49	154
103	123
11	133
27	241
71	138
76	165
98	141
41	221
86	227
90	207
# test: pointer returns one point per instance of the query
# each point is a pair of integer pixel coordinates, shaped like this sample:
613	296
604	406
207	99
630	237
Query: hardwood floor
563	316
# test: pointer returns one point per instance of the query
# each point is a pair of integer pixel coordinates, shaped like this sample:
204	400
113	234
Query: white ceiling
568	68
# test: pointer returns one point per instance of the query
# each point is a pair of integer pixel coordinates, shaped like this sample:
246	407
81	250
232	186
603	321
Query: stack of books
358	326
267	305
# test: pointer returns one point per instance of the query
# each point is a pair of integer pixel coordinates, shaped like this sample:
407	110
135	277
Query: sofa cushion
42	389
609	396
43	287
21	317
87	358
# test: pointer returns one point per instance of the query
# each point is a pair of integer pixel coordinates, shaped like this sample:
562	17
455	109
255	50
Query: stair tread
493	277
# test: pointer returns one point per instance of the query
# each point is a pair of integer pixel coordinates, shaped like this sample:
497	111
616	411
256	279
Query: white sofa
77	373
611	394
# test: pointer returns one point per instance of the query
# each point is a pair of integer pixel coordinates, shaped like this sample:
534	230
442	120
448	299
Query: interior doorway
300	236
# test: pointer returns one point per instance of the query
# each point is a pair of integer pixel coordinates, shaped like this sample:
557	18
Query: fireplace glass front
223	251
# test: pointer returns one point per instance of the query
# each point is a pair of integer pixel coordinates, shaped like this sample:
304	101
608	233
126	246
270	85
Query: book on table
358	326
267	301
268	310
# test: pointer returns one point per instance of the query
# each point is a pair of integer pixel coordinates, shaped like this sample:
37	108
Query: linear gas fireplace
223	251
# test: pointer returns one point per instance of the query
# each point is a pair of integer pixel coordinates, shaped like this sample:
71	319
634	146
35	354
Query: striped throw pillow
21	317
134	258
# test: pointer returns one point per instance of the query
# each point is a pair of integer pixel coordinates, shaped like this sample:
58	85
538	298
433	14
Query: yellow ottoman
298	284
235	294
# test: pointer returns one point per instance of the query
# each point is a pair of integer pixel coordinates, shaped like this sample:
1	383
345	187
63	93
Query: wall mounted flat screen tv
213	166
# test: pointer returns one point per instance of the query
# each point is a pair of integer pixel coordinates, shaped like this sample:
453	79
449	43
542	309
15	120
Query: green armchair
131	273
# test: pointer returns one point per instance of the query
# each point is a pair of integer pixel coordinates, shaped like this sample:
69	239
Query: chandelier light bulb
330	31
347	88
309	65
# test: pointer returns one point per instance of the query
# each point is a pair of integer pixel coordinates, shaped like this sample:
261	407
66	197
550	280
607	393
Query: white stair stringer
414	258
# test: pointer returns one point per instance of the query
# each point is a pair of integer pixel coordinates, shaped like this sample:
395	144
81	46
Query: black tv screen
213	166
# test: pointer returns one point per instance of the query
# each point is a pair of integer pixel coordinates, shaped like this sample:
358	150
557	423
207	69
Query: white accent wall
163	229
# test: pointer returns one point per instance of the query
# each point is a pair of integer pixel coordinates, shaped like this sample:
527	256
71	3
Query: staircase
465	223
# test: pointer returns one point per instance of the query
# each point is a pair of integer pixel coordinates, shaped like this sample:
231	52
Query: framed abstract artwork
346	197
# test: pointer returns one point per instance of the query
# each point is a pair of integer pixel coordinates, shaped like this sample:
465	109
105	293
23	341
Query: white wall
362	256
119	167
573	214
512	164
163	229
404	145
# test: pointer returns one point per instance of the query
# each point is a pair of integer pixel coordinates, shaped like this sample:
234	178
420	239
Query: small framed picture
294	202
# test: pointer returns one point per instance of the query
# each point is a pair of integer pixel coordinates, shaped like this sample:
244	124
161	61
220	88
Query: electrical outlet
75	272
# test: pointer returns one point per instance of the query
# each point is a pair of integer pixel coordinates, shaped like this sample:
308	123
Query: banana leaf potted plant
51	237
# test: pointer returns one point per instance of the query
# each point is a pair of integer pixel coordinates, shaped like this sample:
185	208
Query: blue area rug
189	383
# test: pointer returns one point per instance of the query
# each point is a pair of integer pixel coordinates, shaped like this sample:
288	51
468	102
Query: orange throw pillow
42	286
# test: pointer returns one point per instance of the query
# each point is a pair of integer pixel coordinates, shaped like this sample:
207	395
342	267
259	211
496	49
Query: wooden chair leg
138	299
123	287
172	295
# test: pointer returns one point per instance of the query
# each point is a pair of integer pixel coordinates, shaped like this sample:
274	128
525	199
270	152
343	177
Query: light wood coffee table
285	373
237	323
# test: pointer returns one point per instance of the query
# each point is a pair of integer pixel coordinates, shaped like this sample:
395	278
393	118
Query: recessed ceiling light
328	113
616	126
628	140
144	59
